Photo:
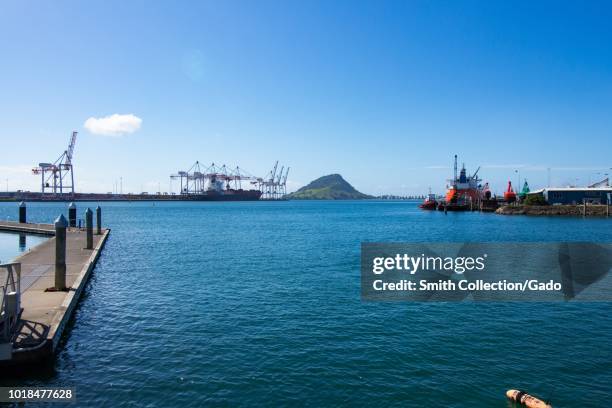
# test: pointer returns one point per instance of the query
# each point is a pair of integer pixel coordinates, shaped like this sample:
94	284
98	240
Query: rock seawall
576	210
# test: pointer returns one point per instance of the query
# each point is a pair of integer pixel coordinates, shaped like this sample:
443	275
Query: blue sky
382	92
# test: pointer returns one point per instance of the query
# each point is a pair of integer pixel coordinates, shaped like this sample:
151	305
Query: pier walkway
45	313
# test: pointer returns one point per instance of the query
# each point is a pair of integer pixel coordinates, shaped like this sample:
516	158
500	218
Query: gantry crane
56	175
198	180
284	183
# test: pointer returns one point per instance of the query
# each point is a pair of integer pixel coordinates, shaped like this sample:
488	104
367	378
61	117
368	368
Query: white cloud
113	125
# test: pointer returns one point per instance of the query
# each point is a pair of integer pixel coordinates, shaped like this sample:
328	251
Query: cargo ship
464	192
217	183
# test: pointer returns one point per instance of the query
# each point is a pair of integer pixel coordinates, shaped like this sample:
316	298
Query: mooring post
72	214
98	220
89	228
22	212
60	252
584	208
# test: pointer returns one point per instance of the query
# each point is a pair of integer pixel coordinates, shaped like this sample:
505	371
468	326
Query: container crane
277	183
284	183
199	180
58	176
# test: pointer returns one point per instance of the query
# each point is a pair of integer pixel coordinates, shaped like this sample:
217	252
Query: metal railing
10	299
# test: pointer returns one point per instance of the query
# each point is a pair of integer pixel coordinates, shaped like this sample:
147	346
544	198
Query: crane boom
475	173
274	171
70	150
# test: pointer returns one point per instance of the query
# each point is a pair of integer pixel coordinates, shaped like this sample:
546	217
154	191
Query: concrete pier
46	312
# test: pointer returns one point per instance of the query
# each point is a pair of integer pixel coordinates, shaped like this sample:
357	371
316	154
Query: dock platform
45	313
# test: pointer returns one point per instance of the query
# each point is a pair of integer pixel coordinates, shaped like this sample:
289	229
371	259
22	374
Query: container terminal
199	183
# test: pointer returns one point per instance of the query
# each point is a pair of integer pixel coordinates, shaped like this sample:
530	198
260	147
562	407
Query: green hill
332	187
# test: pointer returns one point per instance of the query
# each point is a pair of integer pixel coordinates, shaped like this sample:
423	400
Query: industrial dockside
40	289
467	193
199	183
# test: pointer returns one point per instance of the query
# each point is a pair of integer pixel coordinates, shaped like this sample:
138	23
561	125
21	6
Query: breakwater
567	210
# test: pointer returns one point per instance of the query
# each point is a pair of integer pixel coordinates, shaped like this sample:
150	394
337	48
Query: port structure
58	177
274	186
464	187
200	179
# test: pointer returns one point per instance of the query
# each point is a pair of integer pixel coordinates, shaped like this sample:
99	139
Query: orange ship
464	191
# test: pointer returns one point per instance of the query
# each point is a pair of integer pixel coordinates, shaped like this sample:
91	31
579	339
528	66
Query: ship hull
225	195
428	205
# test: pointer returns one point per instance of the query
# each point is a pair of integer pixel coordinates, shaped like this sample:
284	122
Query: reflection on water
14	244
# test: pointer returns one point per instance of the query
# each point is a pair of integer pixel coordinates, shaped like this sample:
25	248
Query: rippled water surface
259	303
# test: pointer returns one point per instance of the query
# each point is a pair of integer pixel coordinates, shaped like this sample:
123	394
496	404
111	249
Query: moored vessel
430	203
464	192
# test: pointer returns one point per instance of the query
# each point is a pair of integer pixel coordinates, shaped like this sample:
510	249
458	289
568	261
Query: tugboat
509	194
430	202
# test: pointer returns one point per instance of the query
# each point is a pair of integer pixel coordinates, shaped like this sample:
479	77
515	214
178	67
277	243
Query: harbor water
14	244
258	303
